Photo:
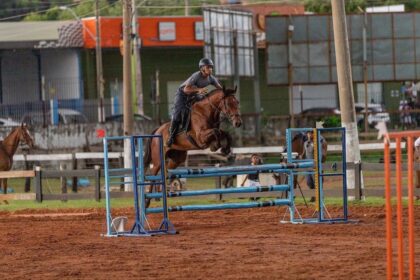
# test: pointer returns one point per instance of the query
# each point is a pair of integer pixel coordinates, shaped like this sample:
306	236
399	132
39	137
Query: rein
217	108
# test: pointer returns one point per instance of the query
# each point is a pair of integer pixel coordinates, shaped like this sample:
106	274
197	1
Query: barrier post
63	184
74	167
38	183
97	183
358	190
398	136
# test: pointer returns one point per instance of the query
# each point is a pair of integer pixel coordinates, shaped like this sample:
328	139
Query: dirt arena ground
248	244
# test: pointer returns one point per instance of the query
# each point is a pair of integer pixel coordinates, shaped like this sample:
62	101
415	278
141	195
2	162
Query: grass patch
16	205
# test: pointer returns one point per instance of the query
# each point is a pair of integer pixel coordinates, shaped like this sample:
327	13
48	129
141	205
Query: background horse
298	147
204	130
8	148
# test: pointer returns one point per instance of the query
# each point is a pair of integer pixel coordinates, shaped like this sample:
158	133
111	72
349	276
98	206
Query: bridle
231	116
222	107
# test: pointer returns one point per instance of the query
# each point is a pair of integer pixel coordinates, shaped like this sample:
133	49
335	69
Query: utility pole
137	60
237	80
365	69
345	87
187	7
158	96
257	95
290	74
99	67
127	97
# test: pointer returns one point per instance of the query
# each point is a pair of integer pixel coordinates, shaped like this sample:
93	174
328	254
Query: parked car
8	122
120	118
65	116
376	114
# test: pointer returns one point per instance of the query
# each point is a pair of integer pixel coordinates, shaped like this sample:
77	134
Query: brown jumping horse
8	148
204	130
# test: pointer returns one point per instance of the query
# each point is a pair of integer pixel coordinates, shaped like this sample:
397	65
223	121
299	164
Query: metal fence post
121	163
97	183
38	184
357	188
74	167
27	180
63	183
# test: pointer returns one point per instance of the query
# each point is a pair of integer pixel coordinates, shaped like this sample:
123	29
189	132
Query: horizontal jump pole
182	172
237	205
272	188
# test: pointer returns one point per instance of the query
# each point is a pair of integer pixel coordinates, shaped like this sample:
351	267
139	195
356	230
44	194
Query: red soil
235	244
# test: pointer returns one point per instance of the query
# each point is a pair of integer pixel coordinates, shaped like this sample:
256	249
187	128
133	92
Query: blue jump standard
255	204
222	191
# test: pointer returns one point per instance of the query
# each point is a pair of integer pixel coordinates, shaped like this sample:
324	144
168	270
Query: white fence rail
243	150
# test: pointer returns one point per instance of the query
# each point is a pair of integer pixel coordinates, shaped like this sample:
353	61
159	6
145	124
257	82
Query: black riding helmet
205	62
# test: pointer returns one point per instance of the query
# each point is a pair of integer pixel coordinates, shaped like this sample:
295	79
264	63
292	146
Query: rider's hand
199	97
202	90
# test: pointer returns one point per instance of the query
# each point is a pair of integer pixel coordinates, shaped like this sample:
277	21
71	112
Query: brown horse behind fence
298	147
8	148
204	130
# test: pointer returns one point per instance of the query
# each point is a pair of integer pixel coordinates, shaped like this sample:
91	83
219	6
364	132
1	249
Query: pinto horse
204	130
8	148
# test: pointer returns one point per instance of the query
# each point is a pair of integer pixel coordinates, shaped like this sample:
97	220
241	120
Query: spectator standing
253	180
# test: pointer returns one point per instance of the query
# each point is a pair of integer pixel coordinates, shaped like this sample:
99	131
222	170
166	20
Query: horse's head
231	106
25	136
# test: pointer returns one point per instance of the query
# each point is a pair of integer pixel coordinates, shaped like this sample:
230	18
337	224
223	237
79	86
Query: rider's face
207	70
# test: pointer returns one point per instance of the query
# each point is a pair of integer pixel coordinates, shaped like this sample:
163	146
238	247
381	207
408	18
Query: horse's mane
225	91
299	135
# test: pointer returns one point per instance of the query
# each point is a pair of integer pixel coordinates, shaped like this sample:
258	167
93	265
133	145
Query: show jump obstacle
138	177
409	136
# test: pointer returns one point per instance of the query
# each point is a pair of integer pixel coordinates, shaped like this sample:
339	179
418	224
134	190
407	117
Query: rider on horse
193	89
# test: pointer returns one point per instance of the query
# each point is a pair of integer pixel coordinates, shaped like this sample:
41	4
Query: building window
374	93
167	31
199	30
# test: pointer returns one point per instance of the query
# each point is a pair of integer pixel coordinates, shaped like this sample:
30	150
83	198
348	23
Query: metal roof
27	34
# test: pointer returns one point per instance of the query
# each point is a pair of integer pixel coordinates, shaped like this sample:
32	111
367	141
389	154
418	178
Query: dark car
120	118
309	117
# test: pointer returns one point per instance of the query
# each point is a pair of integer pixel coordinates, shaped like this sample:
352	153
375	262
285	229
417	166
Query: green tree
352	6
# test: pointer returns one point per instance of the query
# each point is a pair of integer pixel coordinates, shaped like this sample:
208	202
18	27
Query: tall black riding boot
171	138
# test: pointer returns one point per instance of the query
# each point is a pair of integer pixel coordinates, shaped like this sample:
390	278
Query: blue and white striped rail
224	206
274	188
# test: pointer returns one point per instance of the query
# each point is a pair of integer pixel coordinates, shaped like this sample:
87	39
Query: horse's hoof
225	151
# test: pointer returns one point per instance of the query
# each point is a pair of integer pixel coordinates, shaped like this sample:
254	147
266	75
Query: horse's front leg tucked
225	142
210	137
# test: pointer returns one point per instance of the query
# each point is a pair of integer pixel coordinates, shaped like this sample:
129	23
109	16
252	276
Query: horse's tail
148	151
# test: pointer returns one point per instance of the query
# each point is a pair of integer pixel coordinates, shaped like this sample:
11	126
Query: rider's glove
199	97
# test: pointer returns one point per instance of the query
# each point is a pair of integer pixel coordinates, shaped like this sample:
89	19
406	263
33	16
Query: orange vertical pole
388	208
410	147
400	235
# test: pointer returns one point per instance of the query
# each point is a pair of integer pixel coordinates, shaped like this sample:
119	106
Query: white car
8	122
375	114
